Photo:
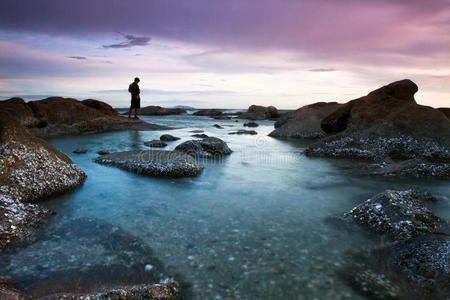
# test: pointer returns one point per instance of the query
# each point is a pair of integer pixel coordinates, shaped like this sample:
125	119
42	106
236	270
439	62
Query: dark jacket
134	90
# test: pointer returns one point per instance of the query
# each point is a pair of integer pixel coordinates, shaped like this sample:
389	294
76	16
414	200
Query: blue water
249	227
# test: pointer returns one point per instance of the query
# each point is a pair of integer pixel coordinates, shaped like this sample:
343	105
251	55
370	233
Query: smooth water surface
249	227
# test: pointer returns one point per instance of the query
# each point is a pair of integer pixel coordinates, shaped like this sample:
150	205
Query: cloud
78	57
130	41
322	70
169	93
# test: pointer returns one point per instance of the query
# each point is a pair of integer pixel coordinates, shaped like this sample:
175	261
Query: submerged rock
397	214
388	123
210	147
57	116
305	122
32	170
103	152
153	162
251	124
257	112
80	151
168	138
155	144
217	126
243	131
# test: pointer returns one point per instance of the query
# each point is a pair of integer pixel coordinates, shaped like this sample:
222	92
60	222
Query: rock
210	147
200	135
251	124
8	290
196	131
208	112
79	151
58	116
153	163
19	109
243	131
410	167
155	144
416	268
257	112
166	290
103	152
153	110
221	117
32	170
168	138
217	126
397	214
305	122
101	106
386	123
445	111
176	111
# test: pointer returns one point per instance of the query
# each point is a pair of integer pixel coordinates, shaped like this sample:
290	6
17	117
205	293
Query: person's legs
129	113
136	112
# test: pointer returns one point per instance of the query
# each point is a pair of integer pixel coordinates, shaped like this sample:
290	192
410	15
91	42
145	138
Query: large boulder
386	123
176	111
153	110
56	116
18	108
305	122
153	163
101	106
210	147
32	170
208	112
258	112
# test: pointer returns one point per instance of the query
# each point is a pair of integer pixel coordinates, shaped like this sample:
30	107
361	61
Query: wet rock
416	268
196	131
305	122
80	151
176	111
257	112
397	214
155	144
243	131
386	123
210	147
200	135
208	112
153	163
221	117
57	116
167	290
168	138
251	124
410	167
32	170
8	290
217	126
101	106
103	152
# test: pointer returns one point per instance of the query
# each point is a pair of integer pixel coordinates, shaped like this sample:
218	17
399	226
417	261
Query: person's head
136	80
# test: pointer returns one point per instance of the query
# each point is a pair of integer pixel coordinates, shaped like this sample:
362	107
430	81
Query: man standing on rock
135	98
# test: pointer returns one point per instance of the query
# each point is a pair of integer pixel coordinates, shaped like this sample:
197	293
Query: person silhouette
135	98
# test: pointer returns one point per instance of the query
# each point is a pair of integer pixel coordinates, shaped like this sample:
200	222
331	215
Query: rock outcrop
388	124
257	112
153	110
32	170
208	112
155	144
153	163
101	106
58	116
210	147
305	122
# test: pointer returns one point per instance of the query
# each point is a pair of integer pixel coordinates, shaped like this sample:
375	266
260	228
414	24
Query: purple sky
224	53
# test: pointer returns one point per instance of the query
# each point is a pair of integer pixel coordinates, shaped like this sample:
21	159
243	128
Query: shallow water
249	227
